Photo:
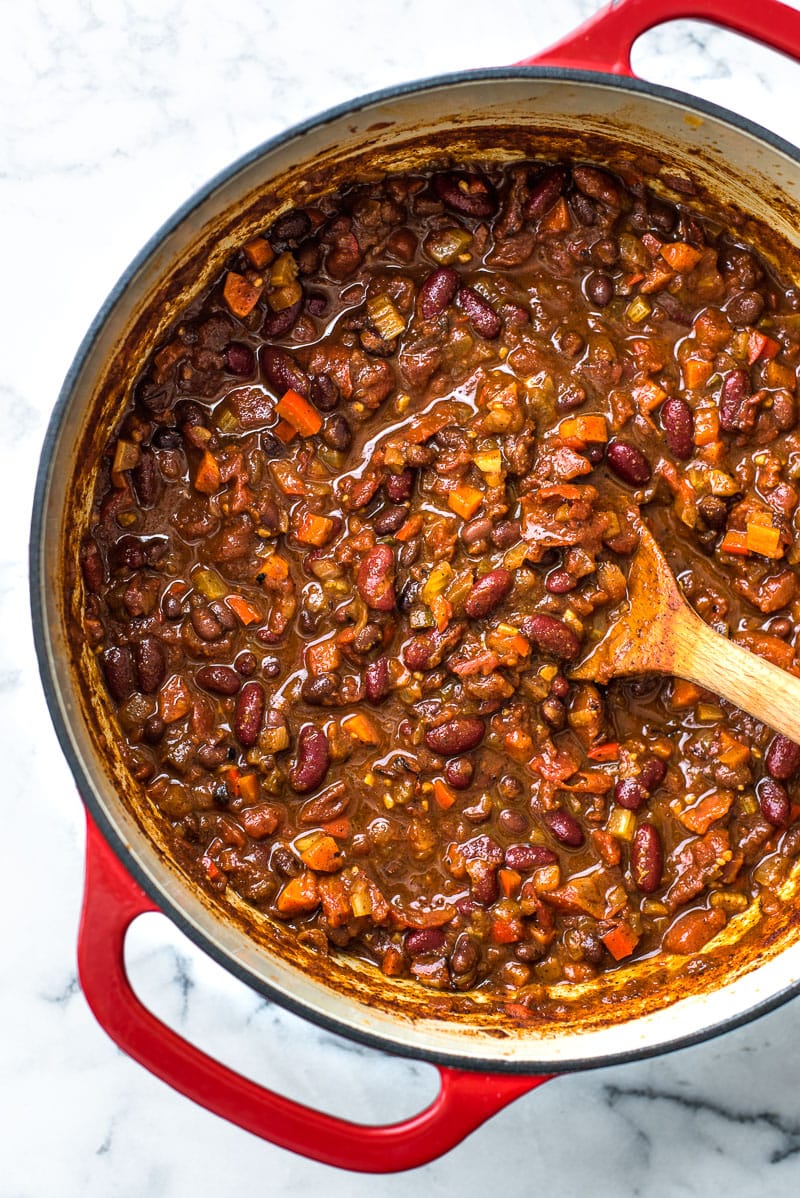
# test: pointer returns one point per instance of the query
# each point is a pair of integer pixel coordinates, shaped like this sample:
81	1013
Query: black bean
599	289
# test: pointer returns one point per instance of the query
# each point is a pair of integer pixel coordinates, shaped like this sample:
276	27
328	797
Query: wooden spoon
656	632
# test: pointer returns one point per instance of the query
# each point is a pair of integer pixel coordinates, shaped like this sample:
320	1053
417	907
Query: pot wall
498	114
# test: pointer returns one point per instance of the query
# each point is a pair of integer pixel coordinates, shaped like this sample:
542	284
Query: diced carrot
696	373
444	795
313	529
591	428
323	855
680	255
299	413
764	539
274	568
506	931
410	529
761	347
174	700
339	828
715	806
323	657
284	431
519	744
392	963
298	895
609	751
607	846
732	752
656	279
232	777
465	500
442	610
620	941
245	611
706	426
765	645
259	252
207	479
249	787
735	542
713	454
213	871
557	220
287	478
684	693
239	294
648	396
362	728
510	881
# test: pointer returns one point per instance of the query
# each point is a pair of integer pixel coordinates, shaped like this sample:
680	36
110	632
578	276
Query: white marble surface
112	112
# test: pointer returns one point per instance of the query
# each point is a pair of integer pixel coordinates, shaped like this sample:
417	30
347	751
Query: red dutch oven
578	99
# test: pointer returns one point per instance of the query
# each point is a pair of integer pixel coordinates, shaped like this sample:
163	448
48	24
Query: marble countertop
113	111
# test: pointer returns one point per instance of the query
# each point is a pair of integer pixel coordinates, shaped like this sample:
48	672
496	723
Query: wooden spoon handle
756	686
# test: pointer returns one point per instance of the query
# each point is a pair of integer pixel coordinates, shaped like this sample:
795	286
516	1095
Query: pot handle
604	42
111	901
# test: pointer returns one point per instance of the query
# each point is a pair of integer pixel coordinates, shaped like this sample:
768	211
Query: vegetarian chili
372	499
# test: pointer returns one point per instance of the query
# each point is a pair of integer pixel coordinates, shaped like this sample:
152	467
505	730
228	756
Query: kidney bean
774	801
745	308
678	424
560	582
399	487
153	729
551	635
480	314
146	479
282	372
376	680
652	772
628	462
735	402
389	519
337	433
330	804
246	663
438	291
290	229
465	192
323	392
690	932
488	593
458	735
424	940
466	954
205	623
94	574
783	758
630	794
784	409
119	672
544	192
220	680
483	879
512	821
249	713
278	324
647	858
151	666
527	857
458	772
240	359
585	209
375	580
597	185
564	827
312	760
599	289
506	533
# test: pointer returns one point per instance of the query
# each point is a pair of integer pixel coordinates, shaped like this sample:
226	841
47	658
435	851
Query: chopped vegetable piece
444	795
323	855
207	478
298	896
680	255
620	941
589	429
174	700
684	693
638	309
761	347
259	252
465	500
385	317
313	529
696	373
764	540
362	727
239	294
299	413
323	657
245	611
284	431
621	823
609	751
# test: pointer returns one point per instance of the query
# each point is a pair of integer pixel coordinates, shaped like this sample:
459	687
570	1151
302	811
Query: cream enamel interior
496	117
